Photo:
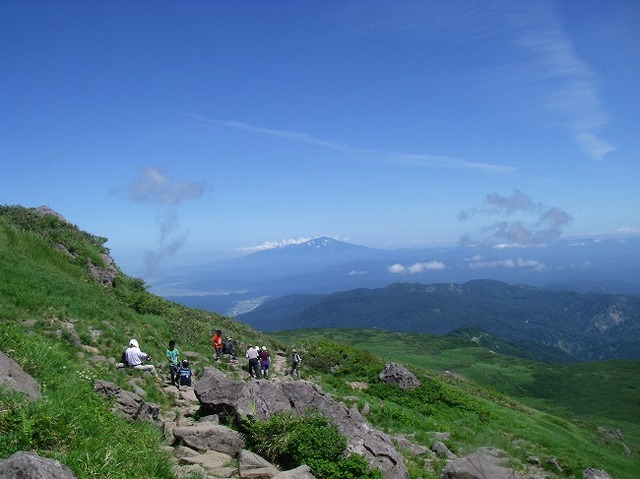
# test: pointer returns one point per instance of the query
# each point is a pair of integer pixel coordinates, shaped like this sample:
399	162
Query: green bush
352	466
291	441
338	359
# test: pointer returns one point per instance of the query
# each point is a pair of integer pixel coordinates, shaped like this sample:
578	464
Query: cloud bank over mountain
535	223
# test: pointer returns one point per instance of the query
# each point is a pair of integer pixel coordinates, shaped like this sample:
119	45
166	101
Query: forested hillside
585	327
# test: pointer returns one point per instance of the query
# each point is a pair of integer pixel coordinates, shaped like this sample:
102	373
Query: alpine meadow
66	325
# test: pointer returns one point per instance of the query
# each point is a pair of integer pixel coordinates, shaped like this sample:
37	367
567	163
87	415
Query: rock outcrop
26	465
261	399
14	378
590	473
210	437
481	464
45	210
399	375
104	274
129	404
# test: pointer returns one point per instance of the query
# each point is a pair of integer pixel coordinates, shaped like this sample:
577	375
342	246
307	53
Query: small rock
590	473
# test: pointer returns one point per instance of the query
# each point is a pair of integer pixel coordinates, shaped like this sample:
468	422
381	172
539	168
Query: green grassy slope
599	393
55	318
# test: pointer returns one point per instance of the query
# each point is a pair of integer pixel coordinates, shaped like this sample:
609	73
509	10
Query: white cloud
508	246
536	223
480	263
391	157
153	185
563	83
396	268
417	268
355	272
276	244
568	86
626	230
426	266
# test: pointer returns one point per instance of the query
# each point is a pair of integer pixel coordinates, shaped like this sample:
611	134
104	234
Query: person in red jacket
216	341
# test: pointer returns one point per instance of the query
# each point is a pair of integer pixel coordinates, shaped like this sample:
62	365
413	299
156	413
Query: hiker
264	361
295	363
173	356
252	356
227	348
216	341
135	357
184	374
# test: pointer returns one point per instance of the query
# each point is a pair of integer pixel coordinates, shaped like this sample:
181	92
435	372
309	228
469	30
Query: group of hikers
259	359
180	373
221	348
134	357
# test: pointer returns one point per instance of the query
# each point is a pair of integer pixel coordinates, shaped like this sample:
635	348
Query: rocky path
279	363
180	426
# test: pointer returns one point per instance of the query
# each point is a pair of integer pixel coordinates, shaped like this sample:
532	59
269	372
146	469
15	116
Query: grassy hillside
596	394
57	319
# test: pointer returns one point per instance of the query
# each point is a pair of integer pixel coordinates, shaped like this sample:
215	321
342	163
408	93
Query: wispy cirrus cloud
567	85
562	83
389	157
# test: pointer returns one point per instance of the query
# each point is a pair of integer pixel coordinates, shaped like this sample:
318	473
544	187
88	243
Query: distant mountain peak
323	242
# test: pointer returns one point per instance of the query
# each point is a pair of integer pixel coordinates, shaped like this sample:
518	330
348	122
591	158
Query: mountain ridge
585	326
325	265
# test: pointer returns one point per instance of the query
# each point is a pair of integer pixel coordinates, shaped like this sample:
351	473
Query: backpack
184	376
123	358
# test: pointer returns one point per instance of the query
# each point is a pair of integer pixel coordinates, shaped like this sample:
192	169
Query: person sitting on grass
135	357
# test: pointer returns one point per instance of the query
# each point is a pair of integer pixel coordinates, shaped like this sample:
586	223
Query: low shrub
291	441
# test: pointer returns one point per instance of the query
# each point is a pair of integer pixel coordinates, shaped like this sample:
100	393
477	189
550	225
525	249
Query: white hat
134	344
264	348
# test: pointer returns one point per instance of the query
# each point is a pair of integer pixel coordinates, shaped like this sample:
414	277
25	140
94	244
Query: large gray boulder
254	466
27	465
591	473
104	274
261	399
394	373
14	378
45	210
484	463
208	436
301	472
129	404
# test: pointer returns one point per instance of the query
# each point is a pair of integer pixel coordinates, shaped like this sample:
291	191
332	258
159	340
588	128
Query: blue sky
193	131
